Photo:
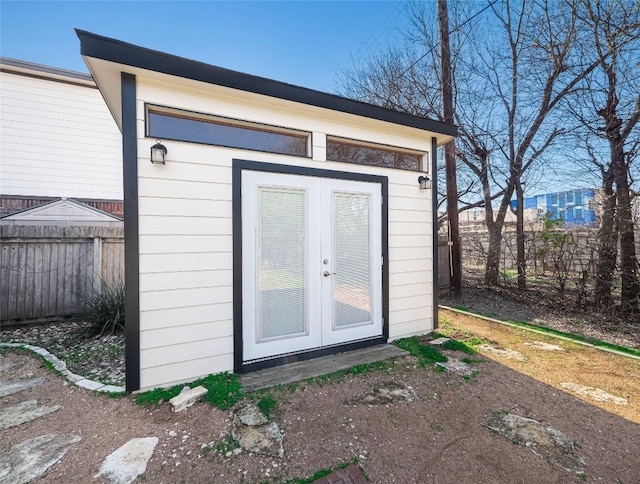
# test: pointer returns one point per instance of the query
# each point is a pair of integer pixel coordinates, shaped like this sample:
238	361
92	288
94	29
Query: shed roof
96	48
63	211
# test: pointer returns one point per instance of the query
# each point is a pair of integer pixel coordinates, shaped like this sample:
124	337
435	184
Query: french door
312	263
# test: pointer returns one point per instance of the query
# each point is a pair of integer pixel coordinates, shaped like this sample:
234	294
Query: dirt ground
439	438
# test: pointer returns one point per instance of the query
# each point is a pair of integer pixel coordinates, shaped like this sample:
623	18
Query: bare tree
608	110
511	67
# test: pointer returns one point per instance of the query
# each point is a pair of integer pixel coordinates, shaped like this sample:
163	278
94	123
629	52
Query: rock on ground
31	459
506	353
252	431
23	412
126	463
597	394
540	437
541	345
15	386
385	393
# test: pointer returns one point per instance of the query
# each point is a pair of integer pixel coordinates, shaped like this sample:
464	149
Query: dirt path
439	438
557	362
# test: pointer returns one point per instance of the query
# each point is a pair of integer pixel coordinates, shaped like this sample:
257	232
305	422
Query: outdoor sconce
158	152
424	182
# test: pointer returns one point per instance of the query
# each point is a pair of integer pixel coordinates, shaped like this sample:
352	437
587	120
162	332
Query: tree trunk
628	265
607	244
520	251
493	255
450	152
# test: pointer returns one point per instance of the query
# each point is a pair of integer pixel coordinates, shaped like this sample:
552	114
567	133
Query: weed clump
104	306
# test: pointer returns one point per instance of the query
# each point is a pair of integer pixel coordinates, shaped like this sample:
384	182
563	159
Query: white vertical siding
185	233
57	140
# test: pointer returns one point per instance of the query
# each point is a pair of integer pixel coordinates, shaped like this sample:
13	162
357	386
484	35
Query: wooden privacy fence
47	271
444	266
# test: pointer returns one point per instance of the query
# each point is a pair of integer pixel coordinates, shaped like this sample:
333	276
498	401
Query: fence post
97	261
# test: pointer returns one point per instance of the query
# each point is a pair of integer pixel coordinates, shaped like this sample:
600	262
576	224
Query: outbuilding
264	222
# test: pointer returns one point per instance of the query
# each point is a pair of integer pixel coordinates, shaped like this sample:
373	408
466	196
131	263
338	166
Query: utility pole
450	153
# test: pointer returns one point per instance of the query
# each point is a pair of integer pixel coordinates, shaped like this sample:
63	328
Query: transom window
348	151
173	124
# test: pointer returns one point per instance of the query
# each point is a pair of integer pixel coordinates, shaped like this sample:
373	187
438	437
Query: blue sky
306	43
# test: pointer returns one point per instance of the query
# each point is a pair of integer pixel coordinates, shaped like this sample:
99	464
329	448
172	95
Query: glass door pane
352	254
281	263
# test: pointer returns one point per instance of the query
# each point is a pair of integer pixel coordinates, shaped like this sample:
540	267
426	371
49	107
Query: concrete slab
438	341
187	398
30	459
126	463
301	370
111	389
89	384
23	412
14	386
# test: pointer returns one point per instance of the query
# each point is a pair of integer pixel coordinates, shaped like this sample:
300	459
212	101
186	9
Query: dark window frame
206	118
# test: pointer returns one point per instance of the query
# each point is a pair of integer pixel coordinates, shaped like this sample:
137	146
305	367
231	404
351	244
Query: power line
413	64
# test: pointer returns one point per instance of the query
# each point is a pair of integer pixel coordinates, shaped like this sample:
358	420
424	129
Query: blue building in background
573	207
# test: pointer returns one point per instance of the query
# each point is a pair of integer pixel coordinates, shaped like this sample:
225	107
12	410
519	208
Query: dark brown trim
434	207
238	167
112	50
131	244
308	355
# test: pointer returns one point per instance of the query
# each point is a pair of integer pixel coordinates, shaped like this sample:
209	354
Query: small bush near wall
105	308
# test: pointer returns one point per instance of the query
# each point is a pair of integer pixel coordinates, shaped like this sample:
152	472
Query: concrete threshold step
301	370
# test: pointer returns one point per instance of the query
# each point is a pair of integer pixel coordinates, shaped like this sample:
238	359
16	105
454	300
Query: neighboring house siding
185	230
57	140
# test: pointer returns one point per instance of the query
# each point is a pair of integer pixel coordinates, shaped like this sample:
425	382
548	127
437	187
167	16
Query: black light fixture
424	182
158	152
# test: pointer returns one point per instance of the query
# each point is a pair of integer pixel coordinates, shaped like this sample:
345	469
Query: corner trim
237	168
434	207
131	244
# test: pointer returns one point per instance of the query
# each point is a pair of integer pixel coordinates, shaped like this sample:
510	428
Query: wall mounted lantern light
424	182
158	152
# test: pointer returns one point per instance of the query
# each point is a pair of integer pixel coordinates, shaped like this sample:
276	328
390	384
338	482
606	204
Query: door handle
327	273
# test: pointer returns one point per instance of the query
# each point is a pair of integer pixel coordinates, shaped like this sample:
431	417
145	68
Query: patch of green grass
225	446
224	391
158	395
515	442
471	361
426	354
456	345
583	476
469	377
267	404
324	473
555	332
436	426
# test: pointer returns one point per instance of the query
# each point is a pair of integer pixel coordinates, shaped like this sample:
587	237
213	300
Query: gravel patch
96	358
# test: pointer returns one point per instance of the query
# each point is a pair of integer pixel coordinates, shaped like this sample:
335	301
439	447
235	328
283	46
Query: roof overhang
24	68
107	58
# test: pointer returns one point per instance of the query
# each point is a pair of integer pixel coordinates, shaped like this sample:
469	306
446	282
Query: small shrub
105	308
